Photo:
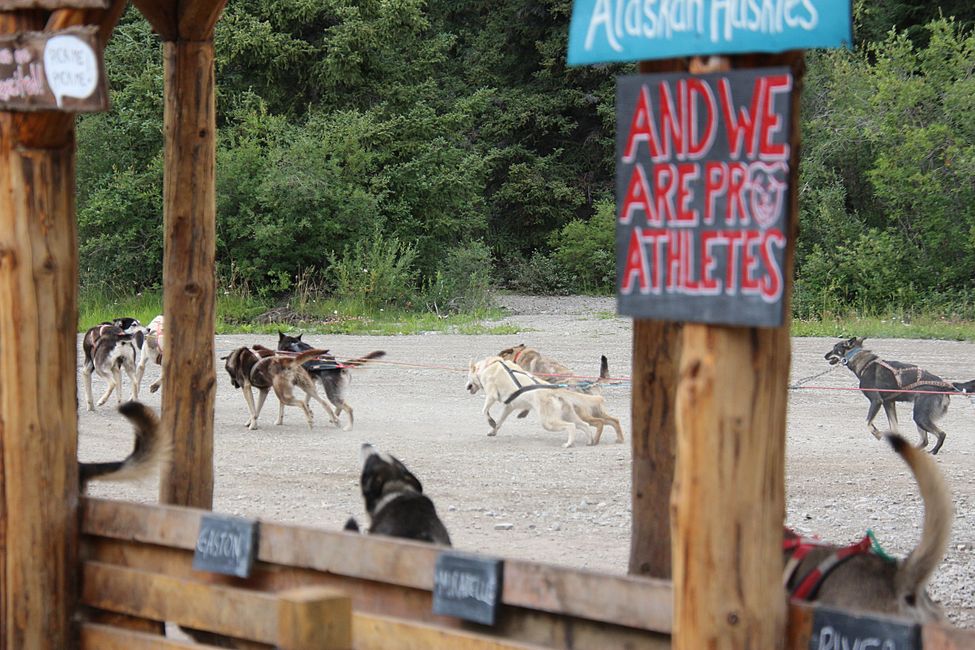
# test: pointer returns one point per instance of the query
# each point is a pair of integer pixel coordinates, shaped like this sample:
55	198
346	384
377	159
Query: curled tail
150	450
913	574
355	363
308	355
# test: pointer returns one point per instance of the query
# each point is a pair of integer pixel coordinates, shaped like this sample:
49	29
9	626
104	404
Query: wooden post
38	394
729	487
656	353
314	618
189	280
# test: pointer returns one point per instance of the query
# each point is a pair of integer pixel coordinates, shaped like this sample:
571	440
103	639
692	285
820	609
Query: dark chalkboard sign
703	196
837	630
467	587
226	545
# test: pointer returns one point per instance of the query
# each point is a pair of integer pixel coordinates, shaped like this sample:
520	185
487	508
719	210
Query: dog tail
964	386
308	355
917	568
151	449
360	361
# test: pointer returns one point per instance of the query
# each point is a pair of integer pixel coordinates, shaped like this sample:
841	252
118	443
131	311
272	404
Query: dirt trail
521	494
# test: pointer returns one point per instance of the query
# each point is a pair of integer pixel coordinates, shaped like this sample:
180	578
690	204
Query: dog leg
280	412
508	409
922	437
488	403
890	408
156	384
261	396
114	381
86	375
348	409
325	404
133	377
140	370
925	421
875	403
249	398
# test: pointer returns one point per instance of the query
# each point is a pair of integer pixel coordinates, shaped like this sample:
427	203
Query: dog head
291	343
128	325
232	364
841	349
383	475
509	354
473	381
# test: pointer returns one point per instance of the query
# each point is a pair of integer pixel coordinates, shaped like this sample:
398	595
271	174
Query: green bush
586	250
463	281
539	274
377	271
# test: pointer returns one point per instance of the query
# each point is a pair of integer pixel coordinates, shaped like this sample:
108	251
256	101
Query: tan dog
261	368
868	582
554	372
507	383
152	348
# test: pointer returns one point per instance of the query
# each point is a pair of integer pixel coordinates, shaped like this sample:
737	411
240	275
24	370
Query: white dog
152	347
507	383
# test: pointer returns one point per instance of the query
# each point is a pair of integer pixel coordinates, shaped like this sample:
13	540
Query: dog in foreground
335	376
867	581
885	383
395	501
150	450
559	409
108	349
260	368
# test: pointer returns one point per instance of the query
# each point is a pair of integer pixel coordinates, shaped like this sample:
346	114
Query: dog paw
492	433
567	445
154	388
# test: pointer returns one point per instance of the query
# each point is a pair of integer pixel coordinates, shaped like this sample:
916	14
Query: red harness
806	588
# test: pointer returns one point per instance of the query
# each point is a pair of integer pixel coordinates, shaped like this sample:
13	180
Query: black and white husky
110	348
395	501
334	375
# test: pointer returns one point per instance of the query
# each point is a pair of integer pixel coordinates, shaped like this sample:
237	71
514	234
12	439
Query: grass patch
247	314
922	327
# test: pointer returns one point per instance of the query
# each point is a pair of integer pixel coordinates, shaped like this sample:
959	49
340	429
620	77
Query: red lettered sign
702	195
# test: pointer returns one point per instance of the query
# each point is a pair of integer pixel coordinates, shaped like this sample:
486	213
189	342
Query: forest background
416	154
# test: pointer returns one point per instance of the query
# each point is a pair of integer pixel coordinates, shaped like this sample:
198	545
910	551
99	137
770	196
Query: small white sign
71	68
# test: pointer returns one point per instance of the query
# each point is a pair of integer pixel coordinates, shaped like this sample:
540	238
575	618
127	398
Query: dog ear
280	336
859	340
406	475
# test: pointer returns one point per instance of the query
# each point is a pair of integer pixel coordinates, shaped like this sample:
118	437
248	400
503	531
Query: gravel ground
521	494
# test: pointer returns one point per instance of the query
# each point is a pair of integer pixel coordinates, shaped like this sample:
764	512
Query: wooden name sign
837	630
59	71
467	587
226	545
703	196
604	31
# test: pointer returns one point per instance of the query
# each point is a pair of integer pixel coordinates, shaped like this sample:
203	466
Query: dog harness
807	587
523	388
899	373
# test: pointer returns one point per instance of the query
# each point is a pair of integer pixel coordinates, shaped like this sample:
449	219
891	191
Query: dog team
523	380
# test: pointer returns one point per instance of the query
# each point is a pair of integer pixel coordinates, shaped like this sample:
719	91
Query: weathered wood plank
942	637
189	281
38	431
385	633
640	603
225	610
96	636
729	485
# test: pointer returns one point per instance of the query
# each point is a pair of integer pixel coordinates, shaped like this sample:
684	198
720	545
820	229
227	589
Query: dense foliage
418	151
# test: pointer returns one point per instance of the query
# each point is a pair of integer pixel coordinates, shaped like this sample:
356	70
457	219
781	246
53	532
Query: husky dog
334	375
855	578
151	449
262	369
395	501
882	382
560	409
108	349
151	347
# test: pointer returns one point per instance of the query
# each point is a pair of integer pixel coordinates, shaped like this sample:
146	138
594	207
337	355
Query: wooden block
385	633
314	618
944	637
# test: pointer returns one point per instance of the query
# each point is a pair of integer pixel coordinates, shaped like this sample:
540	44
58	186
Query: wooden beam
38	323
729	488
161	14
656	354
197	18
189	279
95	636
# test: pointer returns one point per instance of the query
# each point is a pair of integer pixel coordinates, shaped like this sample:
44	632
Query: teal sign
604	31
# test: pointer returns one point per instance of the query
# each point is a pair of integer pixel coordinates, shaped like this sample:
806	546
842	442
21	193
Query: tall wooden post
189	281
38	394
729	484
